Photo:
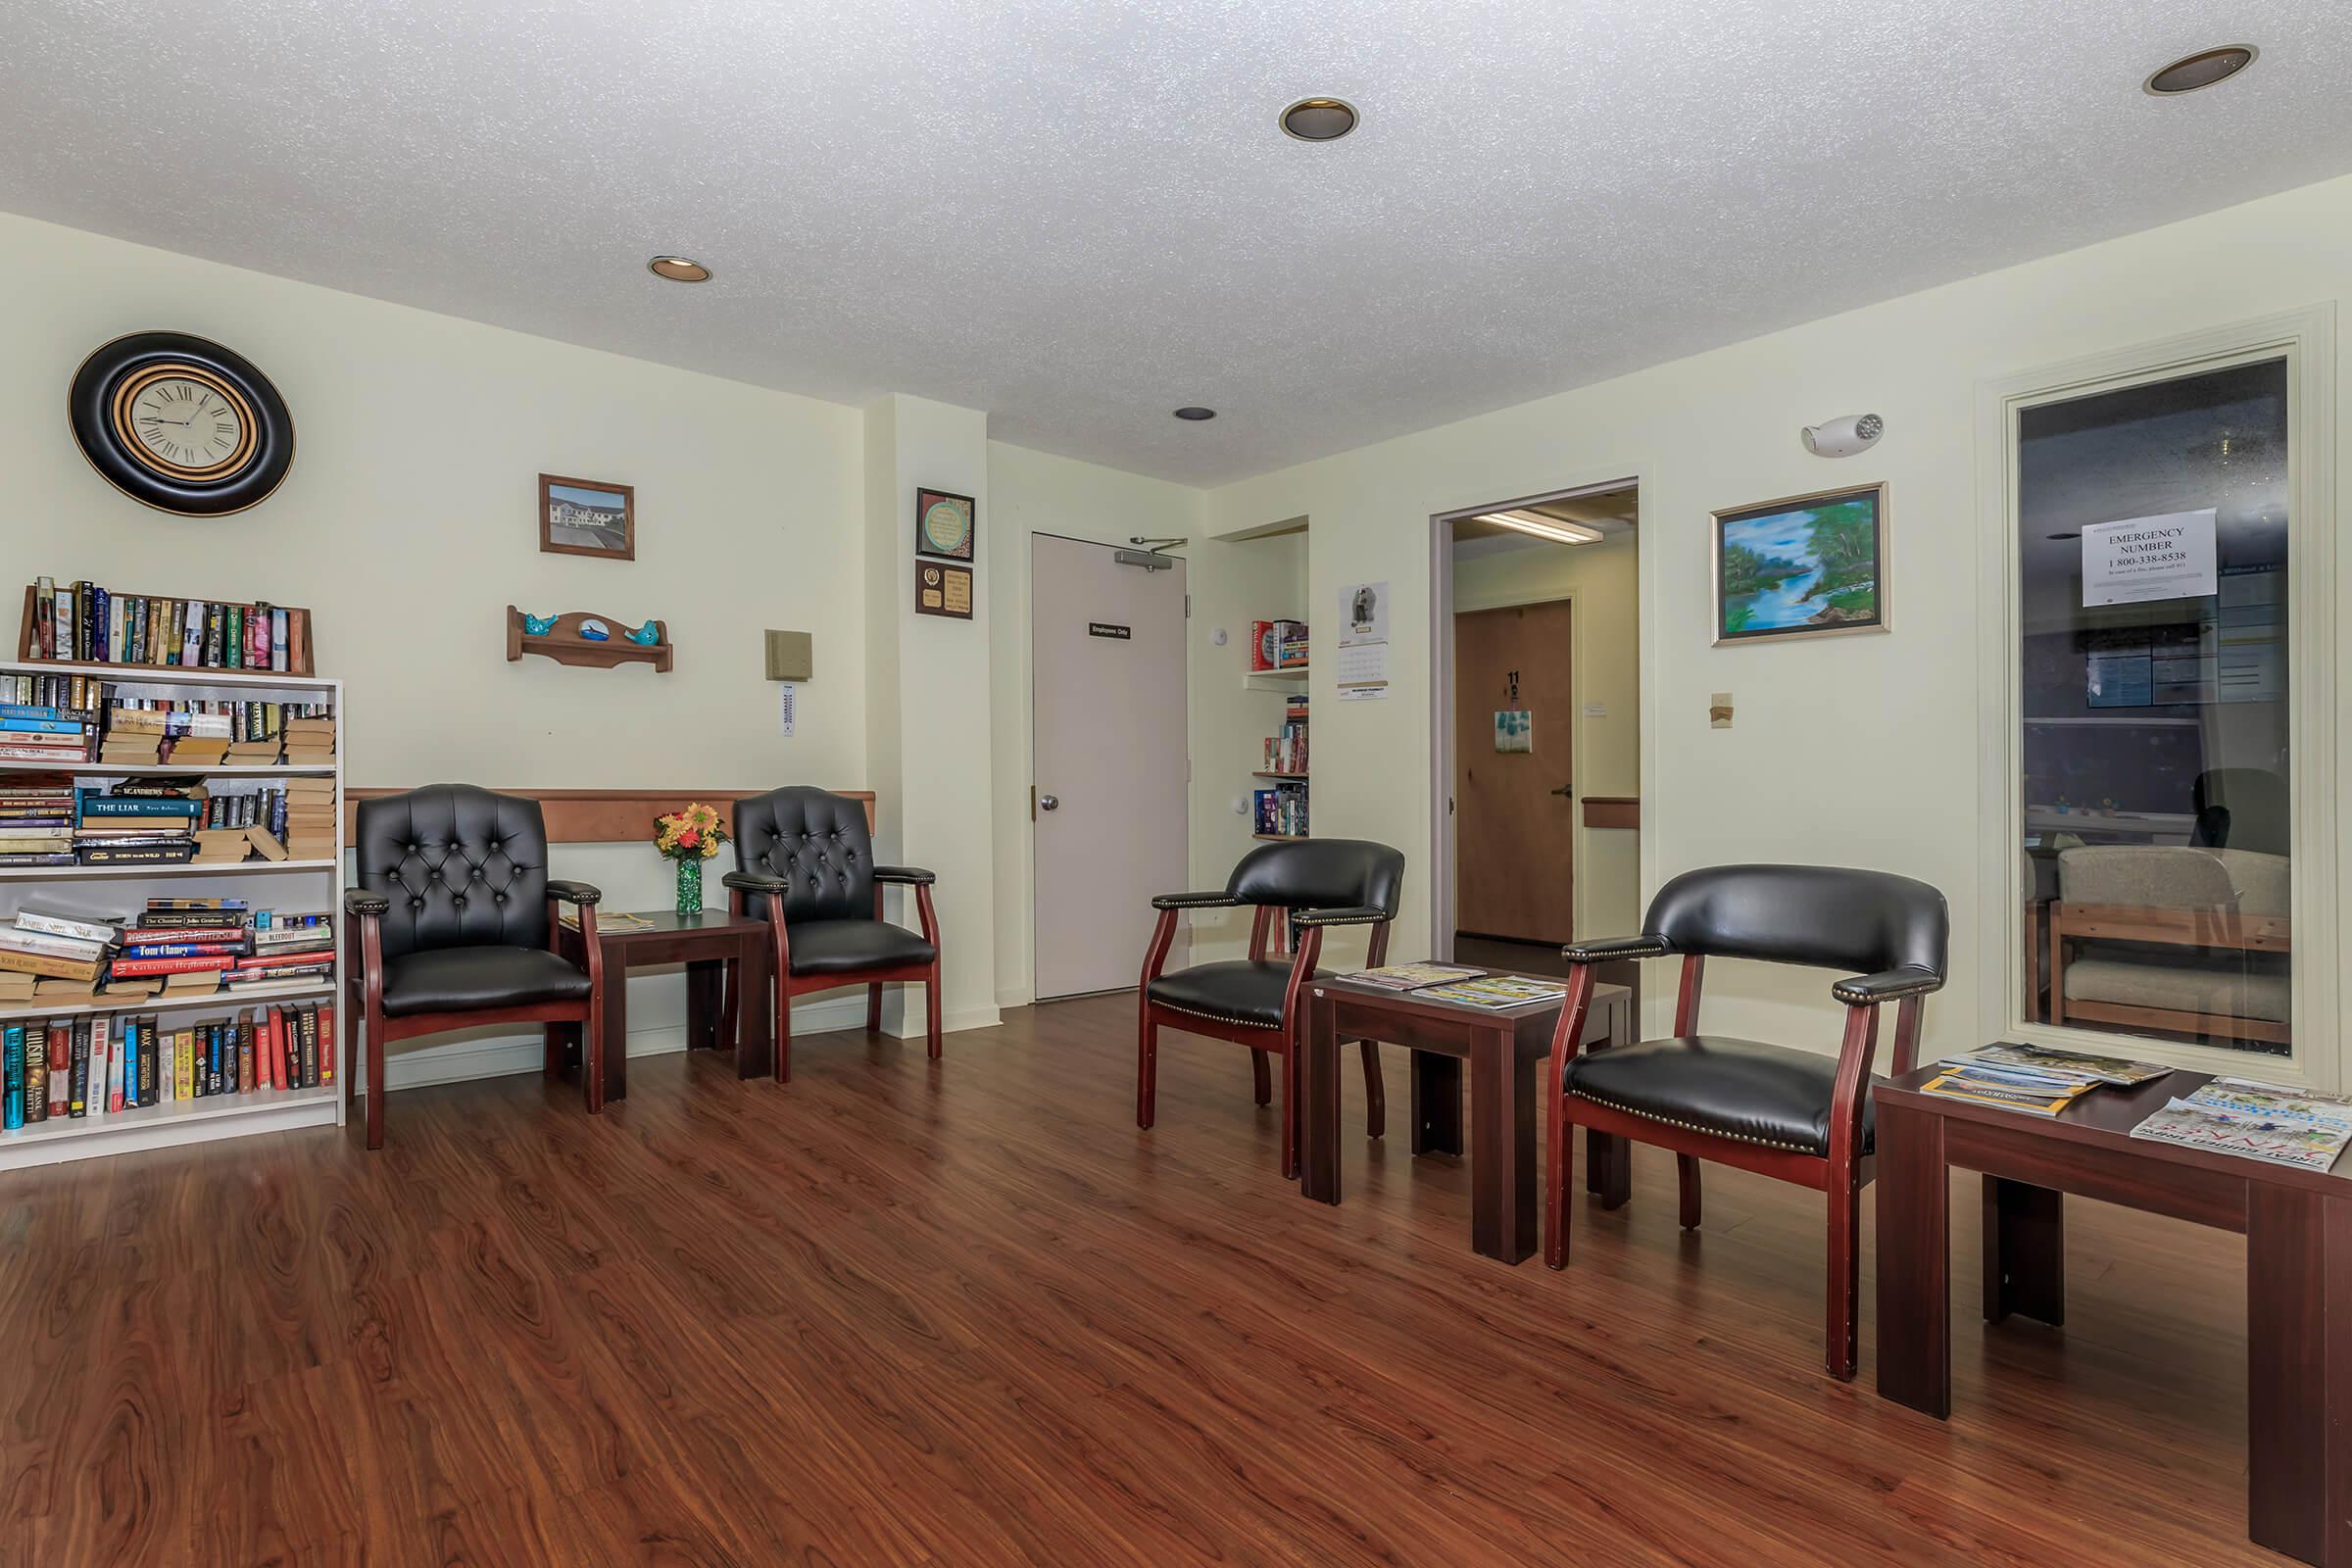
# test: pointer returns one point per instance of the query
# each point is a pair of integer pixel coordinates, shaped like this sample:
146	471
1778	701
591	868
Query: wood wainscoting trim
1613	811
597	816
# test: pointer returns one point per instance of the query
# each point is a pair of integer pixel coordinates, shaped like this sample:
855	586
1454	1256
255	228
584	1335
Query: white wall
1605	757
1858	749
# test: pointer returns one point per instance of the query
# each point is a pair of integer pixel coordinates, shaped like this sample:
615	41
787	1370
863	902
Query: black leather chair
1254	1000
2242	809
1798	1115
454	925
805	864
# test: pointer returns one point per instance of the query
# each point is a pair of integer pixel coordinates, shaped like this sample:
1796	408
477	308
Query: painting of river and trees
1802	568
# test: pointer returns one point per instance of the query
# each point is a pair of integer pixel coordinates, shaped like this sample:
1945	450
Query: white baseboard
501	1055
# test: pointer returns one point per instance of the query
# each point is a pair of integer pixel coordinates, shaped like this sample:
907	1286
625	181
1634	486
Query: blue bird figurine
648	635
538	625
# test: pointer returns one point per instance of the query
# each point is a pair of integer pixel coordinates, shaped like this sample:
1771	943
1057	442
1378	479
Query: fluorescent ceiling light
1542	527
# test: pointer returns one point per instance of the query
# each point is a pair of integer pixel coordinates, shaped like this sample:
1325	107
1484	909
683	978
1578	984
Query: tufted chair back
463	869
818	843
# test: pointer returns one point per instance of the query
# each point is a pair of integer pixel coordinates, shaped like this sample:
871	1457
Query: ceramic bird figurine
595	631
648	635
538	625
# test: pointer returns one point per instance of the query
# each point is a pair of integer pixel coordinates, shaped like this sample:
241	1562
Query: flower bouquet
689	837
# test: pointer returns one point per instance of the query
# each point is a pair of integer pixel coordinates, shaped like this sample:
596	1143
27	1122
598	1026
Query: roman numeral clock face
181	424
186	423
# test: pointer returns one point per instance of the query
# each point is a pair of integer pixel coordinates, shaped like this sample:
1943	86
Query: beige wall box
788	655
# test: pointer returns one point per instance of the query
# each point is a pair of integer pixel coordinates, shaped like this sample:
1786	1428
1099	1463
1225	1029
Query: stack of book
1280	812
1277	644
310	740
75	694
59	946
2032	1079
99	1066
89	623
133	827
36	823
309	821
43	732
1285	753
287	947
1412	976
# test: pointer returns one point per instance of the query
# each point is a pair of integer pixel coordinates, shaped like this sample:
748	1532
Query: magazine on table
2258	1121
2075	1063
2021	1089
1498	991
1411	976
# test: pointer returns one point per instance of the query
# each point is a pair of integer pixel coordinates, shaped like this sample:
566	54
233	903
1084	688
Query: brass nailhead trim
1216	1017
1694	1127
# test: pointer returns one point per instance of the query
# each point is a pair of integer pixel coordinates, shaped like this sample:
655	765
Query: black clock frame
89	409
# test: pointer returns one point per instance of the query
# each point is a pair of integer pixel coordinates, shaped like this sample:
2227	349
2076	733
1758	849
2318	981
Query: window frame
2306	339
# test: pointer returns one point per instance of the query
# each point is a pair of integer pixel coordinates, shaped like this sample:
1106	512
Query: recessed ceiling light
678	269
2200	69
1318	118
1195	412
1542	527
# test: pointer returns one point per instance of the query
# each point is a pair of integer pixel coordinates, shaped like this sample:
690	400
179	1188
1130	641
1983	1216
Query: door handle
1565	788
1048	803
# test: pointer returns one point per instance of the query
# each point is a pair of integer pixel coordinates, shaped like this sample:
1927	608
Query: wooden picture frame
1809	565
587	528
935	514
942	589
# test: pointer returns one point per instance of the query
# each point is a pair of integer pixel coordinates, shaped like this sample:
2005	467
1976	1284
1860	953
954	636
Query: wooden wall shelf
600	816
564	642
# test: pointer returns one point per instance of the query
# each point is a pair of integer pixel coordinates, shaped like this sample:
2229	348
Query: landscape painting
587	517
1806	567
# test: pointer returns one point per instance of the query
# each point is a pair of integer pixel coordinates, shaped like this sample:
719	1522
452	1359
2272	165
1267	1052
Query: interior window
2157	833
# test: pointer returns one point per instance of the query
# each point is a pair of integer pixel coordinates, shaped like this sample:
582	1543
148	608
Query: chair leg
783	1031
930	1012
1146	1069
376	1077
873	1009
1686	1166
1845	1273
591	1056
1557	1133
1261	1076
1376	1093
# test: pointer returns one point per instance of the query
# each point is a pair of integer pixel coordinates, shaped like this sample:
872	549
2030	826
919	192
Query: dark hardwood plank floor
964	1313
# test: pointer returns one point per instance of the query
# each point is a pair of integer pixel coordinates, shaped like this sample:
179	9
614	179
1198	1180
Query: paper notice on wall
1363	612
788	706
2143	559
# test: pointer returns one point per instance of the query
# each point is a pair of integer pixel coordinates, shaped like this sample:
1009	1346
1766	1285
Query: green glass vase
690	887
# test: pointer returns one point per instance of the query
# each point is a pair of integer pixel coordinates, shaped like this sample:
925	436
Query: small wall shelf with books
170	889
88	626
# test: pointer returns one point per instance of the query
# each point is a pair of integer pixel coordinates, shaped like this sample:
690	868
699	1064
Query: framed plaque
943	525
943	590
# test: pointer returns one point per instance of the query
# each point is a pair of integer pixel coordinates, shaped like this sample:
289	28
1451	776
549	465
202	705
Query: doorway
1109	770
1538	731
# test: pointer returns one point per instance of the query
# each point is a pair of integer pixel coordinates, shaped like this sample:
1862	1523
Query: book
2255	1120
64	925
2045	1058
147	966
309	1025
1495	991
78	1101
12	1076
2036	1093
15	940
49	965
1412	976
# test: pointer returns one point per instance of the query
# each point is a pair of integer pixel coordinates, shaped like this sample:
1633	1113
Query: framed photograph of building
587	517
1803	567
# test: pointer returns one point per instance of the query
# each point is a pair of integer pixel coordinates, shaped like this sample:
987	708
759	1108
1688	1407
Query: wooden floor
964	1313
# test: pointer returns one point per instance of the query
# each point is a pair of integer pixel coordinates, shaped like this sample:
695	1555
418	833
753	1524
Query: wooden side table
2298	1230
1502	1046
719	1015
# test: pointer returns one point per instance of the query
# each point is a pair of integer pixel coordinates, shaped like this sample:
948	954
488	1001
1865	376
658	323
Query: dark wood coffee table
2298	1230
1502	1046
718	1014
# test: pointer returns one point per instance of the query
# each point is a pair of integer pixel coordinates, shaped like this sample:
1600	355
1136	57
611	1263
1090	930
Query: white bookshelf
114	890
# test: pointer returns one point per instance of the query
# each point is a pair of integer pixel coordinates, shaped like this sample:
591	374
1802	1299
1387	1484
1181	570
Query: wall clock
180	425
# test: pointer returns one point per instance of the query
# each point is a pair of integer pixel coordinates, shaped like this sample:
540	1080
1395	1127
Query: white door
1108	766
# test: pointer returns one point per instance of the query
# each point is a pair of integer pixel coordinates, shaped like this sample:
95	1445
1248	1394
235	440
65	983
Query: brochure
1498	991
1411	976
2072	1063
2258	1121
2035	1093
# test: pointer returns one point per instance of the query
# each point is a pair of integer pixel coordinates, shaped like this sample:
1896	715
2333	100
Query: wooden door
1514	811
1108	759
